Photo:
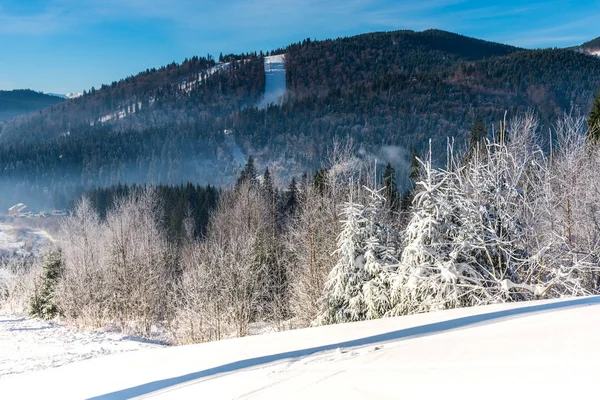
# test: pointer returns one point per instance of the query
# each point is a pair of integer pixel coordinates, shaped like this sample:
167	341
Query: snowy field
28	345
22	240
546	349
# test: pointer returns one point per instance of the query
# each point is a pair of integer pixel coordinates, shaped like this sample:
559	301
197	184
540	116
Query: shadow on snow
402	334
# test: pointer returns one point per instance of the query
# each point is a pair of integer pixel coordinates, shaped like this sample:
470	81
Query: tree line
505	220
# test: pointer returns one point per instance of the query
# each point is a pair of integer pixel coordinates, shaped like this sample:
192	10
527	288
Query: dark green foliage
594	120
415	174
42	304
291	204
320	179
592	44
268	186
388	88
478	136
391	188
248	174
178	202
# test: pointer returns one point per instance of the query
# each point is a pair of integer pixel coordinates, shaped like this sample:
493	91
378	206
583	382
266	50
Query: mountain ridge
18	102
388	91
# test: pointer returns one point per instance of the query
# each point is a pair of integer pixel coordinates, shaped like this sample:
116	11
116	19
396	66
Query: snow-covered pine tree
343	299
381	249
43	303
434	272
358	287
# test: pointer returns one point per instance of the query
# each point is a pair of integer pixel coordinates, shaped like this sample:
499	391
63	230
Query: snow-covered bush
436	269
504	224
17	282
225	283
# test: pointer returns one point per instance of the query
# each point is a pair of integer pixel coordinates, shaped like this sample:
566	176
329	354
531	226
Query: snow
28	344
188	84
73	95
66	95
543	349
277	59
592	52
275	86
185	86
22	241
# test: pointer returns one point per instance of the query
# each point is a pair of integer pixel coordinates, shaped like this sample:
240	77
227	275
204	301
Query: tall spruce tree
594	120
42	304
478	136
248	174
292	198
391	188
415	174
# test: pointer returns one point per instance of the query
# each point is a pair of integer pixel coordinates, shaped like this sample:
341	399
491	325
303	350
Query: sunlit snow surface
28	345
543	350
275	84
22	240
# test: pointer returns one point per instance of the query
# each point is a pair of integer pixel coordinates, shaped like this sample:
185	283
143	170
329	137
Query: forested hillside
198	121
18	102
592	44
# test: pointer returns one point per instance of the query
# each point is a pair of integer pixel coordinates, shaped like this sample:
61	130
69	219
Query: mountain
592	47
18	102
66	95
199	120
592	44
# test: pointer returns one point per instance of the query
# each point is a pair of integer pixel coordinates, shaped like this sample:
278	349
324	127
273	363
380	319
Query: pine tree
319	180
594	120
432	273
248	174
267	185
358	287
291	204
42	304
343	296
391	188
415	174
478	136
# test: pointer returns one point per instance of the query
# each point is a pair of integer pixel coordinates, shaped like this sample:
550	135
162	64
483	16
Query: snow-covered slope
28	345
543	350
22	240
275	85
66	95
593	52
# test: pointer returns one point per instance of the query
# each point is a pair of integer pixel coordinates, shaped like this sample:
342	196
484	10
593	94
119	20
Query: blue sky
70	45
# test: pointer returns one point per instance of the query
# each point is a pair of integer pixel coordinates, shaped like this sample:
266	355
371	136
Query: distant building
16	210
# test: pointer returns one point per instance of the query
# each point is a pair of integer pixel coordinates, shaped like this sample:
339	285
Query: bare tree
81	292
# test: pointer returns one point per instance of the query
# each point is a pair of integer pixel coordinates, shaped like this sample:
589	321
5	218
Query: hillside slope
200	119
18	102
548	349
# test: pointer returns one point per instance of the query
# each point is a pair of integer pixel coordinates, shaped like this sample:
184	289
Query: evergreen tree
320	180
343	296
358	287
594	120
415	174
42	304
391	188
248	174
478	136
292	198
267	185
